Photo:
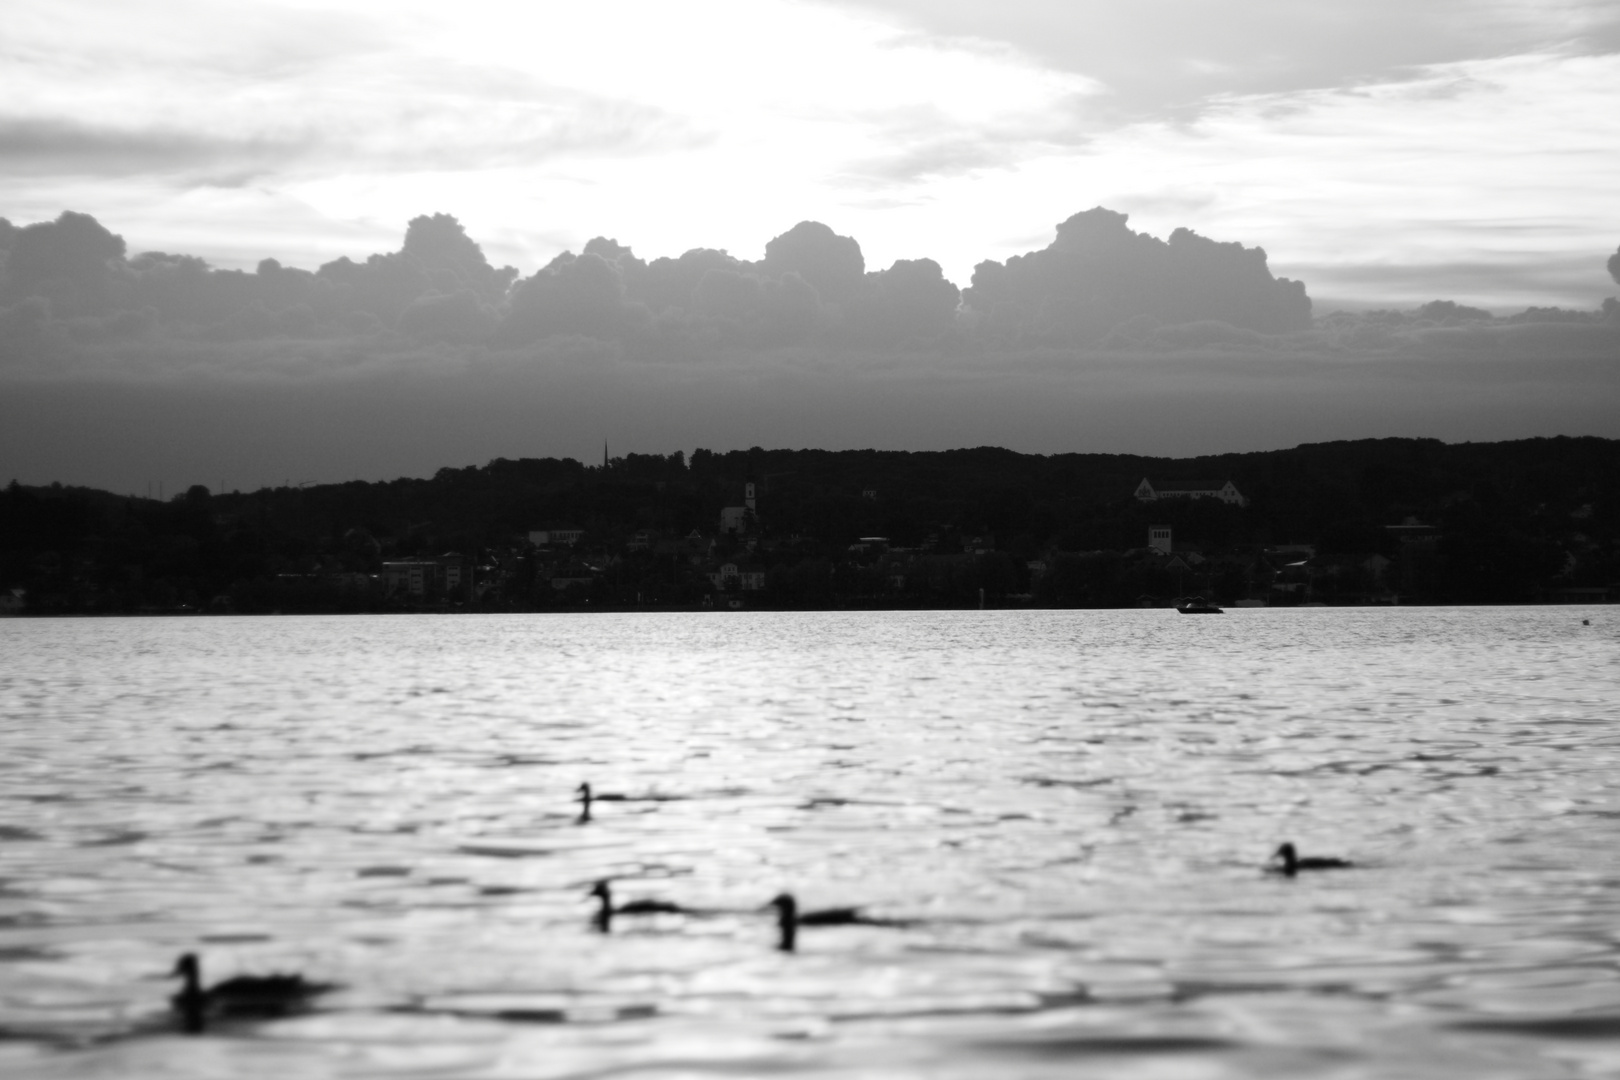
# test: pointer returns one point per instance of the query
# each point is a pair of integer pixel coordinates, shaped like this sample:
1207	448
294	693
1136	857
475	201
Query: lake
1060	817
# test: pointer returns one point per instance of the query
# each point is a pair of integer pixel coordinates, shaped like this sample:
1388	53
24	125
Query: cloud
74	298
1183	53
582	294
831	264
452	317
453	260
943	130
68	263
56	147
1614	266
1098	274
911	300
1499	281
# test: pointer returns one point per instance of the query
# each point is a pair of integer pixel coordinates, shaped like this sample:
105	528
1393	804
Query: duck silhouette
1292	864
241	996
789	918
603	919
586	797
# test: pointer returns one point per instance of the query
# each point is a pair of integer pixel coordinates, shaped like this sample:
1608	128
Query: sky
1377	156
1384	152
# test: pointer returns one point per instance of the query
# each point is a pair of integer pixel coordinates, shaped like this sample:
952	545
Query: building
1418	560
424	577
1159	537
566	536
736	520
1225	491
731	577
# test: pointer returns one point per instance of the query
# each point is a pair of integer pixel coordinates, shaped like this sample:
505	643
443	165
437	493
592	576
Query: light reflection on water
1069	809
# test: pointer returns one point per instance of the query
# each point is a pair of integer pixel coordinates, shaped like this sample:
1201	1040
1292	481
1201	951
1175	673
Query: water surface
1066	811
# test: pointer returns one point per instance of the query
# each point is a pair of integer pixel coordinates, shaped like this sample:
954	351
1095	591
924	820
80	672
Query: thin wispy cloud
1173	55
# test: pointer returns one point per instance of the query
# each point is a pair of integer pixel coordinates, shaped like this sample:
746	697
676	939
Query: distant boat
1196	605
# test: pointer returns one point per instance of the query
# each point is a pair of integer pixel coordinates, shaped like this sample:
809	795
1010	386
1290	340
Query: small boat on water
1196	605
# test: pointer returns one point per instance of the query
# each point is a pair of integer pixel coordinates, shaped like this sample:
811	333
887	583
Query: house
729	576
423	577
566	536
1159	537
1225	491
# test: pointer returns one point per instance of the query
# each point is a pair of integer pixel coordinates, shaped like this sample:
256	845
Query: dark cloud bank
116	368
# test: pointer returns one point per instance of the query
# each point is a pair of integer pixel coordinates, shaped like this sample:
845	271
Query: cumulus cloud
911	300
70	292
831	264
581	294
1098	275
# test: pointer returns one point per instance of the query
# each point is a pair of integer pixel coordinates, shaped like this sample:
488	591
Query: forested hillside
1510	522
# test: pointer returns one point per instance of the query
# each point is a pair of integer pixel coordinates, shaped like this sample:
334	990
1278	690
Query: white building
1227	492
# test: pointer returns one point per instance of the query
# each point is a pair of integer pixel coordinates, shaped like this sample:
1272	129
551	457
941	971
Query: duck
1293	864
586	797
243	995
789	918
603	919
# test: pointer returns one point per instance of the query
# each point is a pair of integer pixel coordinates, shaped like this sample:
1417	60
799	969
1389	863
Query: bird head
601	889
186	965
785	905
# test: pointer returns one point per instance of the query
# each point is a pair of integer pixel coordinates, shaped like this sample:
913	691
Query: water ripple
1056	820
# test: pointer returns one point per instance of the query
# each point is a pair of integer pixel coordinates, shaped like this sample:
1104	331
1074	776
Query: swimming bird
586	797
789	918
243	995
603	919
1293	864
